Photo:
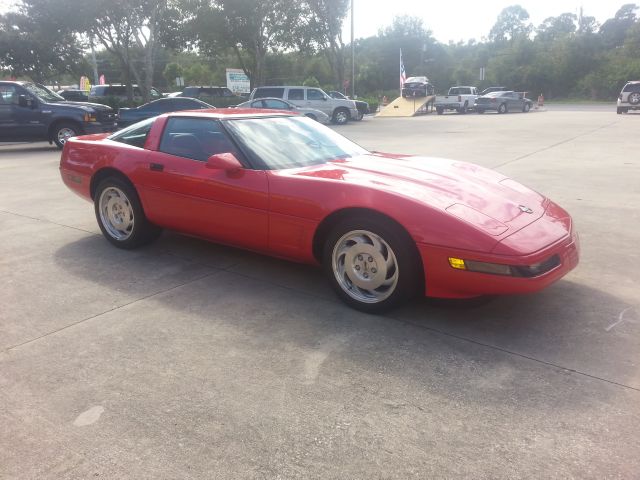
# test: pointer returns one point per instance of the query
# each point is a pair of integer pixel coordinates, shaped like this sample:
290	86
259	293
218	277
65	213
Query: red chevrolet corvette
385	227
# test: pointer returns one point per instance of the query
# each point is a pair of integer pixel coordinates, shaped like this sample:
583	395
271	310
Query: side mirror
224	161
325	98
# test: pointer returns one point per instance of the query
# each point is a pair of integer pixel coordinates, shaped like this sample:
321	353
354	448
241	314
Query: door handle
156	167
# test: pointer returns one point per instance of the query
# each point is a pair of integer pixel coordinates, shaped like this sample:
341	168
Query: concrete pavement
191	360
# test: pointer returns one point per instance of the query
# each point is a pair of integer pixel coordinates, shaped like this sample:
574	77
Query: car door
7	119
29	117
184	194
296	96
317	99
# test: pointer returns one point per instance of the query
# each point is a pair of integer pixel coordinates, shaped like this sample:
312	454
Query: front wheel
340	116
64	131
371	264
120	215
360	116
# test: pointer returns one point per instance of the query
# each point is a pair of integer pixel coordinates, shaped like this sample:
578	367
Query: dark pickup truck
29	111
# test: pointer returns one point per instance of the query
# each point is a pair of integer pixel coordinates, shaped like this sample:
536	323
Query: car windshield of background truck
43	93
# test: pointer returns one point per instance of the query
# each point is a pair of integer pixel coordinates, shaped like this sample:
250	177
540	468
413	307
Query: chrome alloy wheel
64	134
116	213
365	266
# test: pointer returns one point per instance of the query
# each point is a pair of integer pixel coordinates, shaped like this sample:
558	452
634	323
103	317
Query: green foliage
171	72
311	82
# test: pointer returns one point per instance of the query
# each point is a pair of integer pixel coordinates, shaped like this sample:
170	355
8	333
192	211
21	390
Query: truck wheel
463	109
63	131
341	116
439	110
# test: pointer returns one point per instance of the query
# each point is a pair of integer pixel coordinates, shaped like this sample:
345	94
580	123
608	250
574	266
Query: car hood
98	107
484	198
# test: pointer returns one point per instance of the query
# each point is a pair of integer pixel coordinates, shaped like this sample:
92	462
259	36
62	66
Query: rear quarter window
269	92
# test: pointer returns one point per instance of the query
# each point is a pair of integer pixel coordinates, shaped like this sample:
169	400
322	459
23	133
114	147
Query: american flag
403	74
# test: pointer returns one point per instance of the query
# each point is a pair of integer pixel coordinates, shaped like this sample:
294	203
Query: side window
313	94
8	94
278	104
268	92
195	138
296	94
135	135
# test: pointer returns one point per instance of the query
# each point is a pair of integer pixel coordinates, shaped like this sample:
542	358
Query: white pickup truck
460	99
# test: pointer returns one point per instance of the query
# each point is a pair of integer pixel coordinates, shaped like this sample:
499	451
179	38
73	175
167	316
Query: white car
279	104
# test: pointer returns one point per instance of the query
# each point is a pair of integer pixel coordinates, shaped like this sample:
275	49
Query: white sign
237	81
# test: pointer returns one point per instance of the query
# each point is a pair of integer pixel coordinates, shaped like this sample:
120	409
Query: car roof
231	113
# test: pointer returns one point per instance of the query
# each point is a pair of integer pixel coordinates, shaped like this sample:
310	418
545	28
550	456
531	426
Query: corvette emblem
525	209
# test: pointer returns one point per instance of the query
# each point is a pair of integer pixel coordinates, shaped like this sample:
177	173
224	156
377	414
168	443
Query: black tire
340	116
463	110
62	131
479	110
141	231
526	107
439	110
502	108
634	98
400	251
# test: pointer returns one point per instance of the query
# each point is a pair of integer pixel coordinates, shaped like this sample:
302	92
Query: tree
322	30
171	72
252	26
554	28
36	49
511	23
615	29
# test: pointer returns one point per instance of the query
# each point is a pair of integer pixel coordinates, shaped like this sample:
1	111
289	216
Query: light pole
353	58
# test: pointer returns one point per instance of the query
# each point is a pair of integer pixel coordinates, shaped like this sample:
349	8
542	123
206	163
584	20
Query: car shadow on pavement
569	325
21	149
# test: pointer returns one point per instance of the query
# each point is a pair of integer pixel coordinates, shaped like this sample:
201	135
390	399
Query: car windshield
43	93
416	80
290	142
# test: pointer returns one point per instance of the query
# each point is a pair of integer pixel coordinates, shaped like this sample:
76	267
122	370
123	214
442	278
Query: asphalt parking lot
192	360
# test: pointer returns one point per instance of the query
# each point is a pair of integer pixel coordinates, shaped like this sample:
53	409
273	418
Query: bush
311	82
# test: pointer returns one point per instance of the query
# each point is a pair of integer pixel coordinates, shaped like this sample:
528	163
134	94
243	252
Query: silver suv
339	110
629	98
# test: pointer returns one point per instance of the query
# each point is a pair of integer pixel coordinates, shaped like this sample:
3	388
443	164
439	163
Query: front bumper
443	281
97	127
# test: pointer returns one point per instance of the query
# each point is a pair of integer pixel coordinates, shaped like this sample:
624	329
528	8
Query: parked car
279	104
340	111
74	95
460	99
129	116
100	92
363	107
493	89
216	96
629	98
385	227
503	102
417	87
29	112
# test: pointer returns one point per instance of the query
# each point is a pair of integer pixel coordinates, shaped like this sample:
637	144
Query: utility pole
353	57
94	63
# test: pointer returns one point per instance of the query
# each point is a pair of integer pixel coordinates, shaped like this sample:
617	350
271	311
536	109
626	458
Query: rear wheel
372	264
479	110
120	215
634	98
64	131
312	116
502	108
526	108
439	110
341	116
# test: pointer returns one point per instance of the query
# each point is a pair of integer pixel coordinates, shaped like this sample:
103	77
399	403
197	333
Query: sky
465	19
458	20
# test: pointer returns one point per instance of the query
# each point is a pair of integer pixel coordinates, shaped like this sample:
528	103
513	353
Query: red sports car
384	227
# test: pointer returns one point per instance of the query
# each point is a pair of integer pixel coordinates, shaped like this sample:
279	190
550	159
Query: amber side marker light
457	263
501	269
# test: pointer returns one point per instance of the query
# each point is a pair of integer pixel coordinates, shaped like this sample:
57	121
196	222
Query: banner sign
237	81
